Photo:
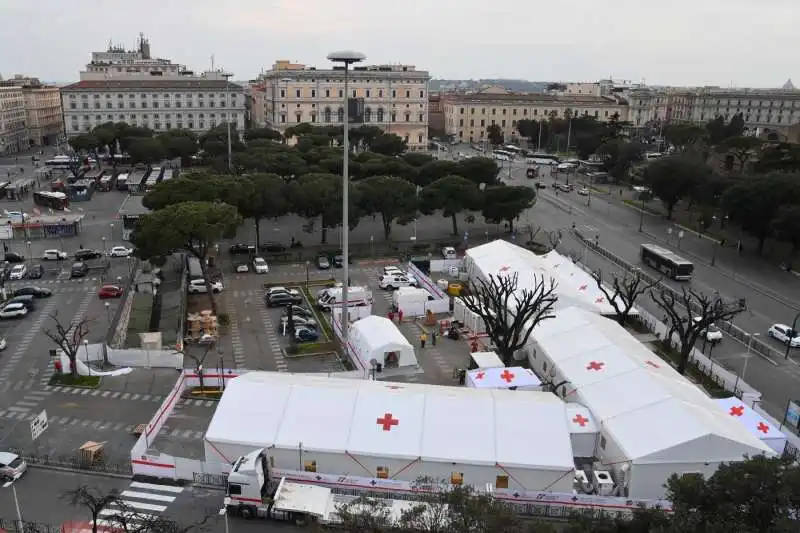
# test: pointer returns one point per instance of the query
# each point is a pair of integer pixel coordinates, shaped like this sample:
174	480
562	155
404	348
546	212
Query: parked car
86	254
79	269
198	286
299	321
120	251
294	293
323	263
31	290
304	334
540	185
277	299
36	271
391	269
18	272
13	257
712	334
26	300
242	268
448	252
395	281
3	343
784	334
298	310
13	310
241	249
12	466
583	191
260	265
109	291
272	247
54	255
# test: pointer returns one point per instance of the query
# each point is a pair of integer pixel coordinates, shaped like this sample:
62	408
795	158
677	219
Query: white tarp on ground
648	413
378	338
755	423
503	378
399	430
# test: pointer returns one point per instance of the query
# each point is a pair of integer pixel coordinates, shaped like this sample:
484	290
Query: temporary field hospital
376	338
509	439
653	422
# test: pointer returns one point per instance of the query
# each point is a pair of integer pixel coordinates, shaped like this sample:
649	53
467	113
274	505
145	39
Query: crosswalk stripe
148	496
146	506
127	515
152	486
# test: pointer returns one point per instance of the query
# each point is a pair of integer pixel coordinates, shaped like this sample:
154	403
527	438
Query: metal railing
76	462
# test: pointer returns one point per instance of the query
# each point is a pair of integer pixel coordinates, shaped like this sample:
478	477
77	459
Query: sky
740	43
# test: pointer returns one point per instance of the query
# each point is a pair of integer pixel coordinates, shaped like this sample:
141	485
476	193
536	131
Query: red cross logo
763	428
387	422
507	376
599	300
737	411
580	420
393	387
505	268
583	287
594	365
480	375
652	364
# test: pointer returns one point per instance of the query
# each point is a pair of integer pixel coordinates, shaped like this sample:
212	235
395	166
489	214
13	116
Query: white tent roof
574	286
503	378
756	424
653	413
487	359
404	421
378	331
580	419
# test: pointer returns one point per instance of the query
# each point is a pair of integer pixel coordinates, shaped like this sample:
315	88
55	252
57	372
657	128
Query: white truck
356	296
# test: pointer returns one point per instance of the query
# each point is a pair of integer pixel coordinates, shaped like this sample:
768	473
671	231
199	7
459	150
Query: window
544	366
327	93
313	117
514	112
341	93
108	105
327	114
494	111
419	139
422	94
73	105
472	111
408	117
132	105
382	472
310	466
155	105
483	123
461	122
421	117
504	111
368	115
380	114
602	443
313	93
408	94
456	478
97	105
501	482
405	138
380	93
340	115
503	123
299	117
234	489
85	105
283	119
283	93
297	93
354	93
394	117
394	93
366	93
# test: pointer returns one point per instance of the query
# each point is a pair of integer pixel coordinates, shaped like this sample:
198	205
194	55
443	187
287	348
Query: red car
109	291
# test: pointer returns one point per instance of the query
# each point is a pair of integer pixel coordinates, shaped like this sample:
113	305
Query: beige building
44	120
395	98
13	135
467	116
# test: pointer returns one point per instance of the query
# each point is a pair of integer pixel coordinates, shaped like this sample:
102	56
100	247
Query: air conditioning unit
581	482
603	482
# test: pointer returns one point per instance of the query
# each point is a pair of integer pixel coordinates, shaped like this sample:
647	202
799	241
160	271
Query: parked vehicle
18	272
86	254
292	292
298	310
784	334
583	191
242	249
31	290
260	265
356	297
120	251
110	291
272	247
198	286
25	299
300	321
36	271
13	310
303	334
278	299
54	255
12	466
79	269
395	281
323	263
3	343
13	257
242	268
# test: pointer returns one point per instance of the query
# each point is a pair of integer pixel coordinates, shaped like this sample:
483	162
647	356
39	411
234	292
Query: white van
356	296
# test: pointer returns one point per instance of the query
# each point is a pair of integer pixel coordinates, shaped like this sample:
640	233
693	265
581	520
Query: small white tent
376	338
754	423
515	378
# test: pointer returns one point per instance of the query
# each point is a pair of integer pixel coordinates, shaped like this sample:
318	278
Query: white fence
131	357
446	265
426	283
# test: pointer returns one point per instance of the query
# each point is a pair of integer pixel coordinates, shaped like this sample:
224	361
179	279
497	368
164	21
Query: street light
86	349
641	211
746	360
104	244
30	255
227	77
347	58
108	313
792	335
307	265
10	484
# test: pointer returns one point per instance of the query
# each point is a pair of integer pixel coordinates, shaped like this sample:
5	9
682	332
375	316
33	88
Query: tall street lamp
227	77
347	58
792	335
746	360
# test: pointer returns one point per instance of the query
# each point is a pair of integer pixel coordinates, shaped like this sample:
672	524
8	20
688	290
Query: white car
18	272
712	333
54	255
293	292
242	268
393	270
448	252
120	251
13	310
394	281
3	343
784	333
583	191
12	466
198	286
260	265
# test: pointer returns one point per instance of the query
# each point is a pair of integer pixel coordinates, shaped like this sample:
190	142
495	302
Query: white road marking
146	506
151	486
148	496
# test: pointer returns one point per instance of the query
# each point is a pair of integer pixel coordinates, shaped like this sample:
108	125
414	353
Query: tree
683	136
320	196
393	198
672	178
477	170
192	186
624	292
786	226
779	157
716	130
146	150
494	134
68	338
742	148
528	129
510	312
263	133
388	144
94	501
85	142
436	170
192	226
263	197
179	143
417	159
587	144
619	156
506	203
451	194
689	314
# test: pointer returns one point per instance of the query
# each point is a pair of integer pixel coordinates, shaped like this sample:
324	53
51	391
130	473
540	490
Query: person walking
433	338
422	338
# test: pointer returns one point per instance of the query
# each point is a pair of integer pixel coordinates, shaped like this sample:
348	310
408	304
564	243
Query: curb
116	476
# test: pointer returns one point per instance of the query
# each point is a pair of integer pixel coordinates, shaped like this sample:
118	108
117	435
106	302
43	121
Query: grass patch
646	208
299	350
693	371
330	282
139	321
86	382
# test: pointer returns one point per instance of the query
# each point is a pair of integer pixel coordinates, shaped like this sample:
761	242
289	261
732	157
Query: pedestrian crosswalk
139	505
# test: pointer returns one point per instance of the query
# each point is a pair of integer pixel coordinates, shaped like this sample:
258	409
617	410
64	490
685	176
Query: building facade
13	132
257	110
435	114
395	98
467	116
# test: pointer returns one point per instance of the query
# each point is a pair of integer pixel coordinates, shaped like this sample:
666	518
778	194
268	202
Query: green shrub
224	319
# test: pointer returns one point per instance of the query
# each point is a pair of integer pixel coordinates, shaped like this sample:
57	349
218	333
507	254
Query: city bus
59	161
516	150
668	263
503	155
57	201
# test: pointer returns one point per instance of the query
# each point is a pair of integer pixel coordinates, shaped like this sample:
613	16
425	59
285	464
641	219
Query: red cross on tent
505	268
763	428
652	364
480	375
737	411
387	422
599	300
583	287
595	365
507	376
393	387
580	420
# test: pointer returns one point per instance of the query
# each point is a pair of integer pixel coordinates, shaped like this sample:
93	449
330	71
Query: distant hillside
511	85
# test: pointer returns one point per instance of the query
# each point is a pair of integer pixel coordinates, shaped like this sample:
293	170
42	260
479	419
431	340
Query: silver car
12	466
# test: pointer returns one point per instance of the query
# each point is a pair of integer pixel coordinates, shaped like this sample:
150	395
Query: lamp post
307	265
30	255
104	244
227	77
108	313
641	211
111	231
10	484
746	360
86	349
347	58
792	335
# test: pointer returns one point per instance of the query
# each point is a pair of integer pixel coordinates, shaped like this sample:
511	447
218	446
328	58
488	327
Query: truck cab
248	489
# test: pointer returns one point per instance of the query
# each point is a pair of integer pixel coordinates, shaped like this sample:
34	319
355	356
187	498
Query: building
44	119
130	212
395	98
467	116
435	114
133	87
256	104
13	134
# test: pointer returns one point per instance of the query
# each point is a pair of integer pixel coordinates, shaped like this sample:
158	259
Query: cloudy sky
677	42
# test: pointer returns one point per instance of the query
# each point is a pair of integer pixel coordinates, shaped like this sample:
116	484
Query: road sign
38	425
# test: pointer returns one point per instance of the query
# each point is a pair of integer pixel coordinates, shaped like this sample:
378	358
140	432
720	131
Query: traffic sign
38	425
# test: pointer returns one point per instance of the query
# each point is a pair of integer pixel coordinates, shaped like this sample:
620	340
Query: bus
59	161
668	263
503	155
516	150
57	201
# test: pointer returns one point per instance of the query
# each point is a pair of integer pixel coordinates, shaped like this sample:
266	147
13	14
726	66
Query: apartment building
468	115
133	87
435	113
395	98
44	120
13	135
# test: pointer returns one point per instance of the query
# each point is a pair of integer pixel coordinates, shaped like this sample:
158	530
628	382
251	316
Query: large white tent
575	287
373	429
376	338
653	422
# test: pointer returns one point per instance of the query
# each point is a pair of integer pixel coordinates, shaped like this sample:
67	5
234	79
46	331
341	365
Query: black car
277	299
36	271
36	292
79	270
298	310
13	257
242	249
323	262
272	247
25	299
86	254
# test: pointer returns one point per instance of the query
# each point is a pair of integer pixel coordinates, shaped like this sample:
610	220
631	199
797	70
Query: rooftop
170	84
526	97
132	205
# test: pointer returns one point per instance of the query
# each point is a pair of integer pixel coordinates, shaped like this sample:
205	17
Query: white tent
377	338
756	424
486	360
503	378
372	429
652	419
583	430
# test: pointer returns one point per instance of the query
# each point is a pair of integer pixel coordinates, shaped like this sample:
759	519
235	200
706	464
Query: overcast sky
745	43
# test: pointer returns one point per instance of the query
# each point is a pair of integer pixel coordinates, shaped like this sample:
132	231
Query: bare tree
68	338
554	239
365	515
689	315
92	500
510	313
624	292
